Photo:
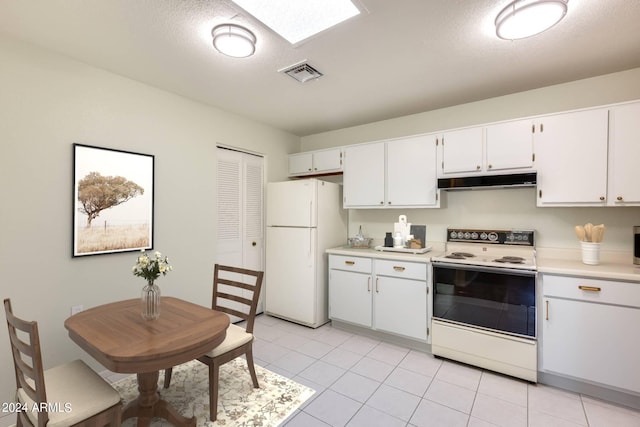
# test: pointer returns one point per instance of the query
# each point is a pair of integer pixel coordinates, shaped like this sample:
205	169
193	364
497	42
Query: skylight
296	20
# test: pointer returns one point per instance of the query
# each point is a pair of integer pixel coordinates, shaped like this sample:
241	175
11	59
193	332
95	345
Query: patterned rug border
239	404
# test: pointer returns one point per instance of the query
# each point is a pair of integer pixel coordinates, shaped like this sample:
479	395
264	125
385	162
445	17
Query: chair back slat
27	360
228	295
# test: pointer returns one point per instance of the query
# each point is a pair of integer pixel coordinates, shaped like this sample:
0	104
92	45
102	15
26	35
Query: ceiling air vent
302	72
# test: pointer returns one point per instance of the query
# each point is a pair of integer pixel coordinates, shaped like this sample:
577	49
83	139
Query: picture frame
113	200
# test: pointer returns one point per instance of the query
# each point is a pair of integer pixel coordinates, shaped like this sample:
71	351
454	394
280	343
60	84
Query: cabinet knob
315	169
389	202
477	167
253	243
602	198
309	169
382	203
619	198
490	166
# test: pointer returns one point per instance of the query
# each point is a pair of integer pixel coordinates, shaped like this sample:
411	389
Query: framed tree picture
112	200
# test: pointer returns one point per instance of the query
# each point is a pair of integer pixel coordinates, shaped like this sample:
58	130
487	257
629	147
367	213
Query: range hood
488	181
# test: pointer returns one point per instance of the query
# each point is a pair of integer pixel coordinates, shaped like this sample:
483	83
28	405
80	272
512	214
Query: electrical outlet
76	309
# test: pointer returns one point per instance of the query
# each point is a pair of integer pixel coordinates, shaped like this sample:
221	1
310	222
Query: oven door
497	299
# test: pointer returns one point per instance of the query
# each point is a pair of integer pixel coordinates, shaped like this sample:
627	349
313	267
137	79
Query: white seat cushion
74	392
236	336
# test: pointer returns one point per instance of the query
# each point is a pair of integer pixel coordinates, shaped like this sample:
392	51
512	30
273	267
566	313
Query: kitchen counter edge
437	249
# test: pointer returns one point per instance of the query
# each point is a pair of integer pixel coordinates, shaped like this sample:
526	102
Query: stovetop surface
492	248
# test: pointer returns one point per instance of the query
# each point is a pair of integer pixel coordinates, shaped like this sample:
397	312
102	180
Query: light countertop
436	248
567	262
613	265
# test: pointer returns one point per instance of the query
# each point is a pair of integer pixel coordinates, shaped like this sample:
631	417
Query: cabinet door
462	151
327	160
350	297
401	306
571	158
411	172
510	145
624	152
591	341
300	164
364	175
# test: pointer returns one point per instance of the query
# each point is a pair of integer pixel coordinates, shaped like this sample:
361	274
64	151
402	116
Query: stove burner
462	254
510	259
459	255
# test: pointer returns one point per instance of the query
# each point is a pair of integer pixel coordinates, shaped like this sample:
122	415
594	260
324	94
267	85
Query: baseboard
596	391
382	336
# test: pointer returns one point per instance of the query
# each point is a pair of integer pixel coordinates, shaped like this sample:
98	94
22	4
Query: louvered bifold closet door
240	212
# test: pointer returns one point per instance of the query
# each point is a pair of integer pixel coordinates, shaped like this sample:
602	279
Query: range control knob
493	236
483	236
474	235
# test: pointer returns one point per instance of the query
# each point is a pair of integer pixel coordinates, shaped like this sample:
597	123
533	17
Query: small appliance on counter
405	238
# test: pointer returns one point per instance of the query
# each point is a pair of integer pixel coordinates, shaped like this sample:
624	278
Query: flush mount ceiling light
525	18
233	40
297	20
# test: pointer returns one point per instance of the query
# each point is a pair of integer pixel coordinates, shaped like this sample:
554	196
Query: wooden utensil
598	233
580	232
588	232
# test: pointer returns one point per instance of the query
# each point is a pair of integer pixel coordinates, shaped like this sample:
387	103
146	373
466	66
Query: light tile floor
361	381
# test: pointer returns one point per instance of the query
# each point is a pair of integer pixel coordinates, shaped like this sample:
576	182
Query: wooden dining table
119	338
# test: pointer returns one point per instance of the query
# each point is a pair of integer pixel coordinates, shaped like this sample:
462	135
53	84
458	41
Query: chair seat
84	391
236	337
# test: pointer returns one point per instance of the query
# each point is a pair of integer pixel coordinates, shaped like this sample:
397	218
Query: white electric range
484	300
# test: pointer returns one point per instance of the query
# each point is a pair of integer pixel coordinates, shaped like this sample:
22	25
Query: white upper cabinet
364	176
396	173
571	158
411	172
509	145
624	152
461	151
316	162
300	164
493	149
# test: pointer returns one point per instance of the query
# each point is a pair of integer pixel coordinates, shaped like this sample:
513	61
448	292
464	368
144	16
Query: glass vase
150	301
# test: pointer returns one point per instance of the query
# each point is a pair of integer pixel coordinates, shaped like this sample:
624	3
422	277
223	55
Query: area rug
239	404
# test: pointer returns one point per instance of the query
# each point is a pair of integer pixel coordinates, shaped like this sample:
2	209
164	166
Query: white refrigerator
304	218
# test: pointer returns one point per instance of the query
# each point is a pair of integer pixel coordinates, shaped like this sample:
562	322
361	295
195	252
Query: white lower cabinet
589	330
385	295
350	297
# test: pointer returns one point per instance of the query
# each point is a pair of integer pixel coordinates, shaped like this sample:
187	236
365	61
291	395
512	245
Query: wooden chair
239	340
66	395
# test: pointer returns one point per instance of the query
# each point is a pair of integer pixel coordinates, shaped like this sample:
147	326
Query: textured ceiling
397	58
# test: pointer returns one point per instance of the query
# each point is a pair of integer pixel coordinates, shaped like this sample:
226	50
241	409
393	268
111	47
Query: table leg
148	404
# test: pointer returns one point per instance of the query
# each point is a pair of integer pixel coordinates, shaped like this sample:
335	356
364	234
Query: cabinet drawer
350	263
592	290
407	270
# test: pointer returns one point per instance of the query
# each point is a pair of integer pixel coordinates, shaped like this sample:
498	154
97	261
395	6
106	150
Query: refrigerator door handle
311	212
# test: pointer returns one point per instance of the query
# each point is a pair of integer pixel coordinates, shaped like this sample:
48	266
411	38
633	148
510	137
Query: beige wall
513	208
47	103
610	88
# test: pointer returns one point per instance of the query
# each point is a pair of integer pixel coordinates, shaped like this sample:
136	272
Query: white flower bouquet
151	267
